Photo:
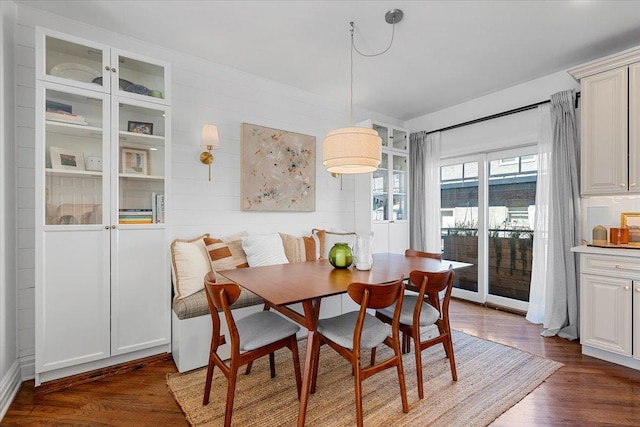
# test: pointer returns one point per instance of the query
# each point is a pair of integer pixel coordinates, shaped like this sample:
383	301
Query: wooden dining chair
352	332
252	337
424	310
413	252
406	339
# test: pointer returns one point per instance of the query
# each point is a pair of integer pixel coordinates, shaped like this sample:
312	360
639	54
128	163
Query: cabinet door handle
626	288
113	69
106	67
623	185
633	184
618	266
637	289
113	227
106	227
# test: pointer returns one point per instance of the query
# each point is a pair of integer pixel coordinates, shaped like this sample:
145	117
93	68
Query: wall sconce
209	141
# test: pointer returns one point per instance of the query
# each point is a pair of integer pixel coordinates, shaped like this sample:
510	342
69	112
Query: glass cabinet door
400	139
69	60
139	78
140	163
399	180
380	190
74	159
383	133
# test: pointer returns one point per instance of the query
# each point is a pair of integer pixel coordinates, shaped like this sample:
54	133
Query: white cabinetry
610	90
382	197
610	304
102	285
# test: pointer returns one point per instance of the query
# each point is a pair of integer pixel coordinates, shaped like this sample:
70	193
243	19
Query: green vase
340	255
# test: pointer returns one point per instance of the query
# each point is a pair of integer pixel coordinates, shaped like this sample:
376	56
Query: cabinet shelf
71	172
71	129
141	177
140	138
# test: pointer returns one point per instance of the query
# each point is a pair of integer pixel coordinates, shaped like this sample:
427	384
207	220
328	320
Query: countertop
615	251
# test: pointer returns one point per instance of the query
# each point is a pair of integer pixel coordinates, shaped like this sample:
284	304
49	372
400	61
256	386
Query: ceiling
444	52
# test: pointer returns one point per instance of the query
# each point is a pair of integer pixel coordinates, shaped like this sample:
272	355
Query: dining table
309	282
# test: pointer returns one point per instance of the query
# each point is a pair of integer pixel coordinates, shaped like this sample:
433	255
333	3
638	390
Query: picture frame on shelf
134	161
631	220
140	127
66	159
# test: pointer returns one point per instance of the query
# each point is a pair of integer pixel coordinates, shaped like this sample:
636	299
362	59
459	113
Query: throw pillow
299	249
264	249
189	264
225	255
330	238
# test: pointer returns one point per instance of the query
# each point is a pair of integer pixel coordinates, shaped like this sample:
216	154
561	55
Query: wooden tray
612	246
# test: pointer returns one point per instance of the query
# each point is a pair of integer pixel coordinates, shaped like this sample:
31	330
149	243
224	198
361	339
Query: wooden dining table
308	282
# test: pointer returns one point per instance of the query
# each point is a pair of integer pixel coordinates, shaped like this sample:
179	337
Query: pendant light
356	149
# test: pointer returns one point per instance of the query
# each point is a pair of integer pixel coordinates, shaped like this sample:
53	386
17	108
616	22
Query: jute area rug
491	379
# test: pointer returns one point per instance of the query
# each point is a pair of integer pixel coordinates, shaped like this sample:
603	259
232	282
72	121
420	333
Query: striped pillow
189	264
307	248
225	255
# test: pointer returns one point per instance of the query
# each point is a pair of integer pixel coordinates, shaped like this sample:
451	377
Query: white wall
505	132
9	366
203	92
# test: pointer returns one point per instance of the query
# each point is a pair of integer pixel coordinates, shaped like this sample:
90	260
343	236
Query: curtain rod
495	116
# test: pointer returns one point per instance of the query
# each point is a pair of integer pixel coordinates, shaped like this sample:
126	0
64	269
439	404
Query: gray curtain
417	191
561	306
424	191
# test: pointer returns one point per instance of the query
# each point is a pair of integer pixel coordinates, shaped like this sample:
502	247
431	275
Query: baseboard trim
9	387
85	377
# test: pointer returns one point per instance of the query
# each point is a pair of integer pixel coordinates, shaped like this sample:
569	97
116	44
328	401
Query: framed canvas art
278	170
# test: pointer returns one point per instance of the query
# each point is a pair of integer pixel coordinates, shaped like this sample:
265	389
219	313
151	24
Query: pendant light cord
367	55
370	55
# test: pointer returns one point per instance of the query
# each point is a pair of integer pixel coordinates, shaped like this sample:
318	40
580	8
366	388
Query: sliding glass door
487	209
460	196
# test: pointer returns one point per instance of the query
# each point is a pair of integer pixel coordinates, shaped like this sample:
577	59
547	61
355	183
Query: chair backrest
221	296
231	291
431	284
375	295
413	252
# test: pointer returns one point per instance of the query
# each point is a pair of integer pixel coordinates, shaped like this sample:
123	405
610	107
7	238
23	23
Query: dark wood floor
586	391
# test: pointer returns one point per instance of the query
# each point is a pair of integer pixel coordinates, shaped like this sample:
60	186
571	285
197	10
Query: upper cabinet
72	61
386	209
610	124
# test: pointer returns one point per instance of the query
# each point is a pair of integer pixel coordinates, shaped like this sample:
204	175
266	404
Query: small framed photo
140	127
631	220
134	161
64	158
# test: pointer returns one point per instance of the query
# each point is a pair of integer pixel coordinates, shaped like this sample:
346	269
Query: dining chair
413	252
424	310
352	332
252	337
406	339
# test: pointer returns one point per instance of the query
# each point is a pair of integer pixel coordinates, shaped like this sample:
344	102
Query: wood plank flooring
585	392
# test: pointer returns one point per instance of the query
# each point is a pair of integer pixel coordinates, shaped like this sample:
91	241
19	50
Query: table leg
311	314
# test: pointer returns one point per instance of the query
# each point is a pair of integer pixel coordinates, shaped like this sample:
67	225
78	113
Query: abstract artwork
278	170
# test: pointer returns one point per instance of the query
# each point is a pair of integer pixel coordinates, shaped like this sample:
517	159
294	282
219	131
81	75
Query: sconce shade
210	137
351	150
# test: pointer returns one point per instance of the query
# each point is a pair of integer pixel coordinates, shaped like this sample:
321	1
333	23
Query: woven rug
491	379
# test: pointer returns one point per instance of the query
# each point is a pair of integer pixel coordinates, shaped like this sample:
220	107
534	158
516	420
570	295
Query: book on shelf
63	116
135	220
58	106
157	208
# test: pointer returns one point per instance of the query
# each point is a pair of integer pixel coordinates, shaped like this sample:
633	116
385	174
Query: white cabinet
382	197
610	304
102	168
610	124
606	302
